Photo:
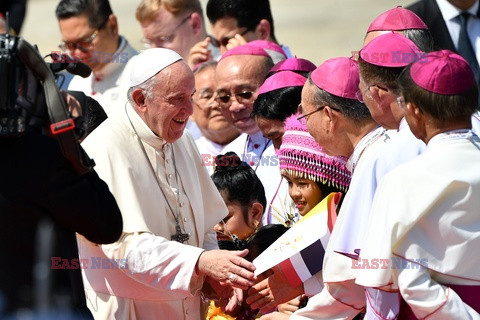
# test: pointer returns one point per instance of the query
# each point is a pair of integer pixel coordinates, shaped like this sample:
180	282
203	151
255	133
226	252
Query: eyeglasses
304	119
84	45
241	97
224	41
359	94
401	102
161	40
205	99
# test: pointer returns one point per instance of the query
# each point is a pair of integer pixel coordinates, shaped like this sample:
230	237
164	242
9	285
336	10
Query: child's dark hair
263	238
237	181
327	189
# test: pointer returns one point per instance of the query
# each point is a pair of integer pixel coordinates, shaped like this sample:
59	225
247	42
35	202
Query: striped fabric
299	252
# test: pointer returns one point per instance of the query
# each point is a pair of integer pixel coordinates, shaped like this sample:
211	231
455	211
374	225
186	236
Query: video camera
31	100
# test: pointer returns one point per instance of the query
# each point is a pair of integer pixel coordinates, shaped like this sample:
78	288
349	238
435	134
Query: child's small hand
275	316
292	305
235	302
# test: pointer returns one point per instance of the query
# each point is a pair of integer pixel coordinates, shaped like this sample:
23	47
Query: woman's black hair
237	181
277	104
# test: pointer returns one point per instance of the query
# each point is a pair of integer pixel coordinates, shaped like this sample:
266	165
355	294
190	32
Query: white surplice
401	148
427	211
159	281
341	298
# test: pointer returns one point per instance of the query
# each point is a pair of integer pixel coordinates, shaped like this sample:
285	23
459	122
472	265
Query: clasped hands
229	274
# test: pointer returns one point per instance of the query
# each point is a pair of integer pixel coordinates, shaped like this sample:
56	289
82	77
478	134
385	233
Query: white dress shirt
450	15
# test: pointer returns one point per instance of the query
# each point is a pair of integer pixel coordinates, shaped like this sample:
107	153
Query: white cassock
427	211
109	86
341	298
401	148
259	153
159	281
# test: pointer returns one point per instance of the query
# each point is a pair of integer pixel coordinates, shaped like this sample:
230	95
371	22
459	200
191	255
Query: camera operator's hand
74	107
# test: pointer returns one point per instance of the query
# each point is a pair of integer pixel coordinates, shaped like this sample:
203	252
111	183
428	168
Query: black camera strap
61	124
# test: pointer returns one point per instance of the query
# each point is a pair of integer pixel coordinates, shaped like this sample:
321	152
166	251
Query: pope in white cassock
168	202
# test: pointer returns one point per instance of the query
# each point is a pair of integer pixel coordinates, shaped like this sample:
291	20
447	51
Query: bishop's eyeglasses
243	97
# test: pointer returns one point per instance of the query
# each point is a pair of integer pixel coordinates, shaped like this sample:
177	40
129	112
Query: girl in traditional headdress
311	174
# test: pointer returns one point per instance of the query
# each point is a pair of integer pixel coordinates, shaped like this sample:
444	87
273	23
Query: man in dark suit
443	18
446	33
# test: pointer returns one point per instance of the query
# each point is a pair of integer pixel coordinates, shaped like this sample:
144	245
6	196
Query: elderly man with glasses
343	126
240	73
89	32
168	201
378	89
217	131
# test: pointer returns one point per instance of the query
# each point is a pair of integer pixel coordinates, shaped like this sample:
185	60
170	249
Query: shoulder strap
62	125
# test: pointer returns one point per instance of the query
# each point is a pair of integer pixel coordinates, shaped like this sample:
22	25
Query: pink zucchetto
274	50
391	50
397	19
245	50
294	64
280	80
338	76
150	62
443	72
301	156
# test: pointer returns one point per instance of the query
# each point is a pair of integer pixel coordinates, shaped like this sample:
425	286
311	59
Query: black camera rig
24	105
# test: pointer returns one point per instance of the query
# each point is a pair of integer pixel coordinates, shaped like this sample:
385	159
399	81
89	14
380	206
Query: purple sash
469	295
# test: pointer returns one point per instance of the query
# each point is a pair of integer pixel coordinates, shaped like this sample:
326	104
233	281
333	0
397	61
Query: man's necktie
465	47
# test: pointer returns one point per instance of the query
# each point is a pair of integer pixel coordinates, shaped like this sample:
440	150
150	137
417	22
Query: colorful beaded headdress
301	156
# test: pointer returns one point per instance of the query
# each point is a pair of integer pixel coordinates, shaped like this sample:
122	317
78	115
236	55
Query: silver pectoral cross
179	236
